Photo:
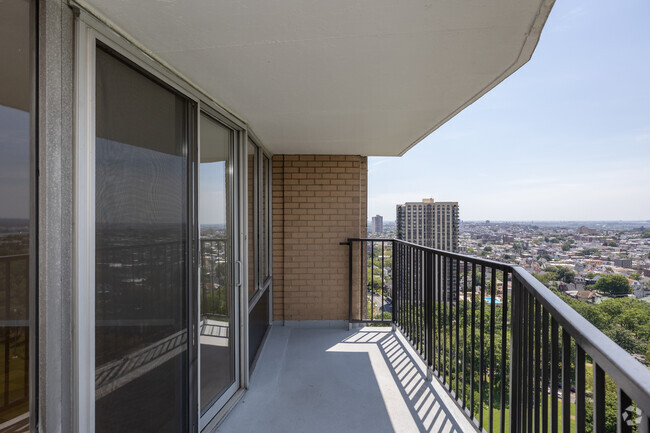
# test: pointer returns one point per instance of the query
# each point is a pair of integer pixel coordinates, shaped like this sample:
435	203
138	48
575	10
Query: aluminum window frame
90	29
205	419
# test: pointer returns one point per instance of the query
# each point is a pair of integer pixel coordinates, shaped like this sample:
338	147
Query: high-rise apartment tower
429	223
377	224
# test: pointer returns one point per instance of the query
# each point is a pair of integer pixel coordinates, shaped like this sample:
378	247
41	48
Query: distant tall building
377	224
429	223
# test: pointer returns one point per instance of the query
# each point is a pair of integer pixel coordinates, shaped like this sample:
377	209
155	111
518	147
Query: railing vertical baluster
623	403
481	349
473	332
580	389
434	299
439	321
363	297
465	271
428	295
418	315
513	400
372	281
423	328
525	358
493	285
545	367
350	270
444	320
457	306
504	350
530	382
410	292
450	296
383	253
555	352
598	399
566	381
400	281
537	368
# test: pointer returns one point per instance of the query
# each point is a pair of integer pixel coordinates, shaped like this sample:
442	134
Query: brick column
318	202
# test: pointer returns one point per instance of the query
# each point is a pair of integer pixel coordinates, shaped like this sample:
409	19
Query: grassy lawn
496	413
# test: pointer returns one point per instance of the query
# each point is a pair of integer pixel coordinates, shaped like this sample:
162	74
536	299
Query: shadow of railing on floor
427	407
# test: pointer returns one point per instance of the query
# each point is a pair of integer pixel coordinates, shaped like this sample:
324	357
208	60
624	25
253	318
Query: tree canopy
613	285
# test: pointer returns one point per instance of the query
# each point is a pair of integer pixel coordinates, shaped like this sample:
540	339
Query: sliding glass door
164	248
218	318
142	262
17	213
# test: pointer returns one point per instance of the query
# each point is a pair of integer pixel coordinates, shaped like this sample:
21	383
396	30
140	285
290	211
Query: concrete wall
318	202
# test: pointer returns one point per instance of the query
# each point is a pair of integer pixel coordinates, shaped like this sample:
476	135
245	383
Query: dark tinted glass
217	325
141	252
258	321
15	216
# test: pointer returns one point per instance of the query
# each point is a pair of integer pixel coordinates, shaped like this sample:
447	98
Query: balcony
504	353
334	380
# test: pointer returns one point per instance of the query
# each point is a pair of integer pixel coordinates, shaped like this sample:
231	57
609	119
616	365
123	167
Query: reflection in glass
252	210
217	310
15	218
141	253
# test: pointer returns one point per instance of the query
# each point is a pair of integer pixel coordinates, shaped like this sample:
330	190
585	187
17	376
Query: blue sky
566	137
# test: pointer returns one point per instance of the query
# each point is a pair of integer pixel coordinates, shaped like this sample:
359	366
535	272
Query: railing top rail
485	262
628	373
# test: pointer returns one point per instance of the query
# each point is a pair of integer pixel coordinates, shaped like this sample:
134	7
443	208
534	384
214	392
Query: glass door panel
217	338
141	256
16	186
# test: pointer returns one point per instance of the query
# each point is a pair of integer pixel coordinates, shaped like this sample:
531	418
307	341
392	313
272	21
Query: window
142	284
17	213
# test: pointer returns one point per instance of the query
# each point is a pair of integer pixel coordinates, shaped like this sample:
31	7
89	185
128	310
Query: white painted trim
84	236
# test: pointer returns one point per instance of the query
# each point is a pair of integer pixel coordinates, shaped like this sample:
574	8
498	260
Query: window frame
89	31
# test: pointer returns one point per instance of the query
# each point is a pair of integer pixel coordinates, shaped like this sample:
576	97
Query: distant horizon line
546	221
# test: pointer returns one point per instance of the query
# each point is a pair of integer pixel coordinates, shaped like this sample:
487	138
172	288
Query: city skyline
564	138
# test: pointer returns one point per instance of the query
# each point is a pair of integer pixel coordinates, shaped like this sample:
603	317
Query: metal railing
512	354
214	278
14	330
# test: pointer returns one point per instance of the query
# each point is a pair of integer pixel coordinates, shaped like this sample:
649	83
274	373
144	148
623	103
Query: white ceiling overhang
365	77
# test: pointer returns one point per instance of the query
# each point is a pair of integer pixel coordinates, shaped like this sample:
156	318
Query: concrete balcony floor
334	380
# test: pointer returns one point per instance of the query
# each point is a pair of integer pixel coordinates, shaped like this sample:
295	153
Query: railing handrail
628	373
479	261
623	368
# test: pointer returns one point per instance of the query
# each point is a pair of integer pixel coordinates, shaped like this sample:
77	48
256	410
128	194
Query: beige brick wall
318	202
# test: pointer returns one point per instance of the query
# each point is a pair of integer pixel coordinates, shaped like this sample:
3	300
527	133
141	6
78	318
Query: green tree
613	285
589	252
626	339
635	276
